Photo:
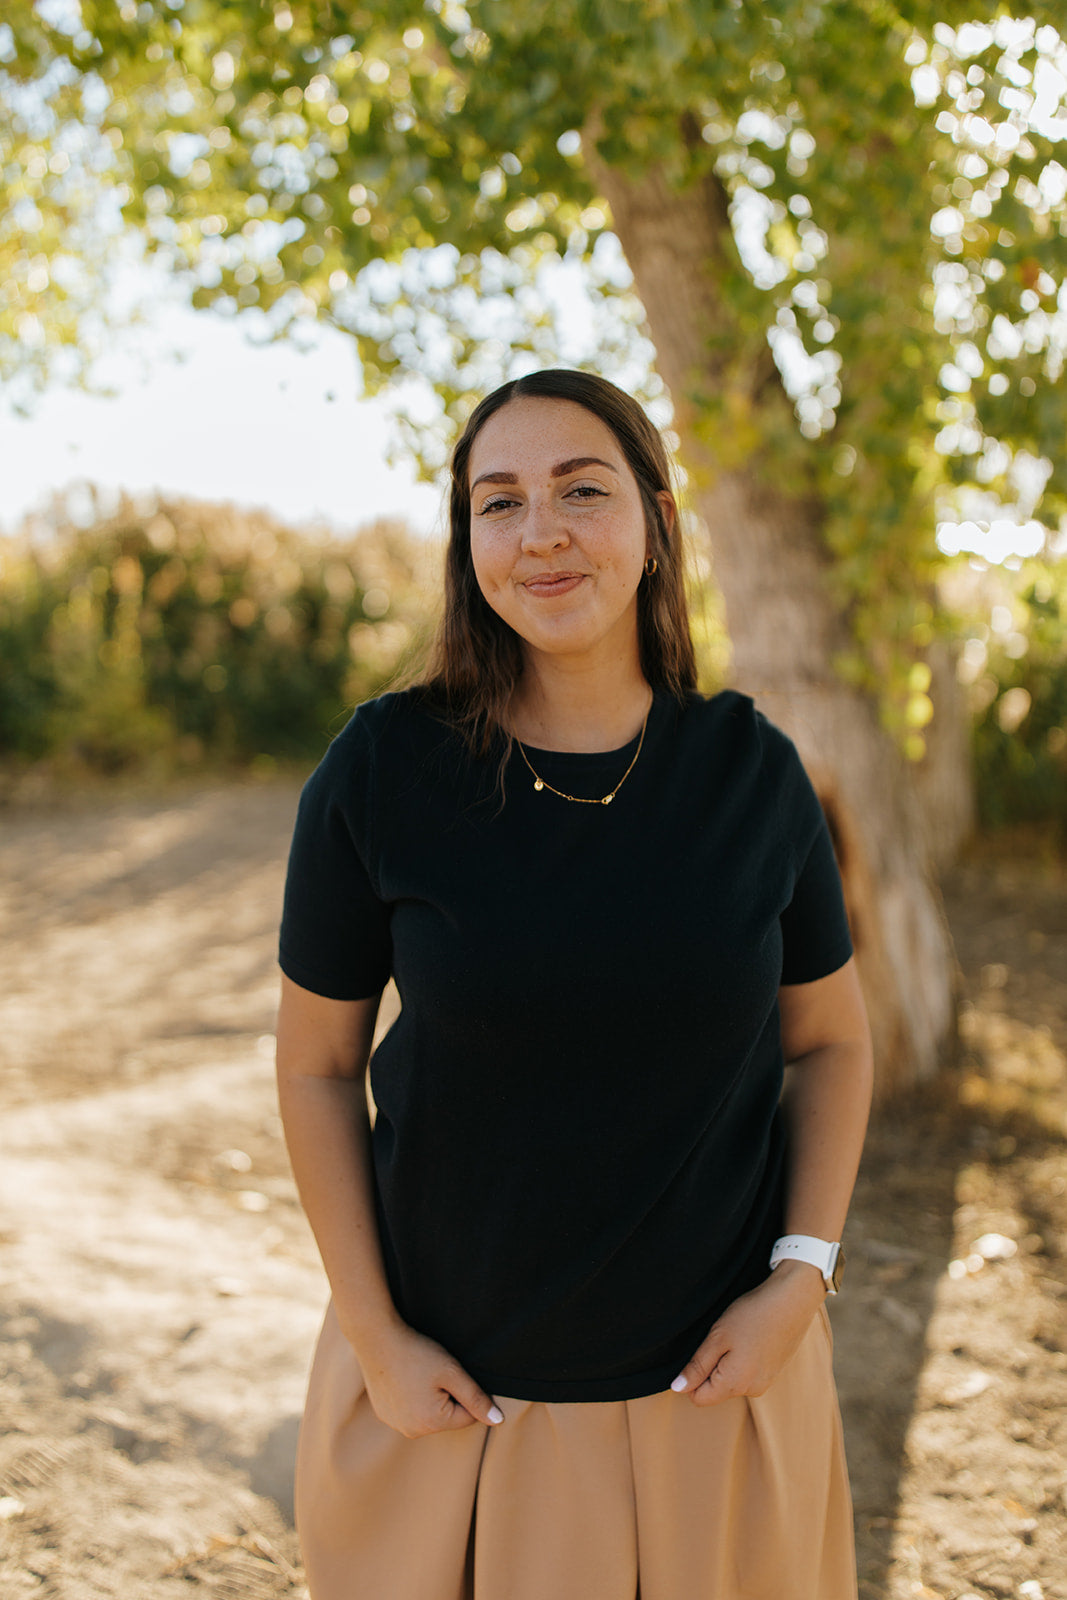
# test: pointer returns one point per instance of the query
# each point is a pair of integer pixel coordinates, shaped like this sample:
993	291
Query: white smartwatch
829	1258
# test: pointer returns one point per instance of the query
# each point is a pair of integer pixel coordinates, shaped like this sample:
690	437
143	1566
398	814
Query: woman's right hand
416	1387
323	1046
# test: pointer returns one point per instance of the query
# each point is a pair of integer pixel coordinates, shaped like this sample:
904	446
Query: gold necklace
579	799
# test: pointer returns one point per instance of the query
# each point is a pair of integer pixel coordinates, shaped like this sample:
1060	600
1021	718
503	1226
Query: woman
557	1364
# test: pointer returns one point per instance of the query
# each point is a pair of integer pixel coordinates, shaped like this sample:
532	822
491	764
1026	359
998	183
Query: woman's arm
323	1047
827	1045
826	1040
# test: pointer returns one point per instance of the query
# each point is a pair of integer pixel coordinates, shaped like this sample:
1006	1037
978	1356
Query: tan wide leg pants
650	1499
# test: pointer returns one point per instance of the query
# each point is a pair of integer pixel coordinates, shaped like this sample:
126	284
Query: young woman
576	1347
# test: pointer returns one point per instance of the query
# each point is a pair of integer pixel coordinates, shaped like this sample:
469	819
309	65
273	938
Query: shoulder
388	746
732	722
373	720
727	737
395	751
386	726
347	773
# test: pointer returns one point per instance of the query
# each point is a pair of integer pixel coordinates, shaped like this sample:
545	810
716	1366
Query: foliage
58	221
1015	663
172	632
405	168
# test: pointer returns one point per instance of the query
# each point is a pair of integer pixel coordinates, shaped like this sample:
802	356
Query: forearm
826	1105
328	1133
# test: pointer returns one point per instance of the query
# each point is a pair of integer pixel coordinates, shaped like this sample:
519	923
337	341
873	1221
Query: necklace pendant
538	785
608	798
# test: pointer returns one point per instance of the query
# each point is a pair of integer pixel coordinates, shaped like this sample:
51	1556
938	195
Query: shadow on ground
951	1332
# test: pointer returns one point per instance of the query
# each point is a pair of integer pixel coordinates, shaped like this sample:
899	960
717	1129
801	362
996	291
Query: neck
559	707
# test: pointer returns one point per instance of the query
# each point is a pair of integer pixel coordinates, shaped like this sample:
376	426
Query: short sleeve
815	932
335	937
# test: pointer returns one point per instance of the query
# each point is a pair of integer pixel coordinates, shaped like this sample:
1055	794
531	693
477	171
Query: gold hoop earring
650	565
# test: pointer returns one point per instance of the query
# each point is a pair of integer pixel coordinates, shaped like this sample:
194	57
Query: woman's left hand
754	1338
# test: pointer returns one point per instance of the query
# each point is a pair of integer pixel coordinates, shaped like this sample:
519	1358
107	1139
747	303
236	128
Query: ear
668	508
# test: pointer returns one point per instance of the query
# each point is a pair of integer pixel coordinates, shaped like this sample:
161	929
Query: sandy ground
159	1291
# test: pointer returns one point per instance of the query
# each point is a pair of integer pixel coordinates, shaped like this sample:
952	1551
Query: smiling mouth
553	583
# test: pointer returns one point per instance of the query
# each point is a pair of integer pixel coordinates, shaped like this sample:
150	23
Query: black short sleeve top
578	1152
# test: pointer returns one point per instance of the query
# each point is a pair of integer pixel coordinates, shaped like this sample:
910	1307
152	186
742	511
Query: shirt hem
635	1386
328	988
823	969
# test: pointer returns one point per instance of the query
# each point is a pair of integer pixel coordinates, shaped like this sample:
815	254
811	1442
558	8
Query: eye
587	491
498	502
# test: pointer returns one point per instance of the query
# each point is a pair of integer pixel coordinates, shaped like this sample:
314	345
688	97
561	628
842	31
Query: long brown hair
477	658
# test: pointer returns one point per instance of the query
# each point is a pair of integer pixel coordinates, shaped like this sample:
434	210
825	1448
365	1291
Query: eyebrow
560	470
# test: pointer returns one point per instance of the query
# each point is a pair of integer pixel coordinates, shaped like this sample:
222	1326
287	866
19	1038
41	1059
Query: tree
844	226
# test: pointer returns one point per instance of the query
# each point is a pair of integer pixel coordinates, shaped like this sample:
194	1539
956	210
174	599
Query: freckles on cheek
487	579
477	562
491	566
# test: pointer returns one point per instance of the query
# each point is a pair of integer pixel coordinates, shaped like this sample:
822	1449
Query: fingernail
495	1414
681	1382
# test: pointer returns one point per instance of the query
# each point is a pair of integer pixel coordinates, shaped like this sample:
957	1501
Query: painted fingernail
495	1414
681	1382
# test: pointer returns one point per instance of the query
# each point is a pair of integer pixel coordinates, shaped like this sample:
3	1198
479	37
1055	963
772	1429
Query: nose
544	527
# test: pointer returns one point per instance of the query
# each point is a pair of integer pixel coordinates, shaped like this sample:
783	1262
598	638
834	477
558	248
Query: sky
260	426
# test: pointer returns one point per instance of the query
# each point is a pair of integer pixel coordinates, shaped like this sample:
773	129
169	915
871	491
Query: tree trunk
944	777
769	564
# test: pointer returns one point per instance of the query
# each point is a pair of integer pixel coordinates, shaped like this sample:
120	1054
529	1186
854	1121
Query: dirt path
159	1292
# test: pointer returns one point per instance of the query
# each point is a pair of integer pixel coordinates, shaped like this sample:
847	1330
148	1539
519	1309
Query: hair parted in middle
477	658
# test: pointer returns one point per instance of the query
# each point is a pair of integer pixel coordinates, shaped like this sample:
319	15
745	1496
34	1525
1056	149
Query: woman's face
558	535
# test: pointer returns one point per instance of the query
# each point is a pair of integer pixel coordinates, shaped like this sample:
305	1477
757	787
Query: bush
174	633
1014	662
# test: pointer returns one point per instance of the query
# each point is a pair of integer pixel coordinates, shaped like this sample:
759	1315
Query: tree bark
944	777
769	563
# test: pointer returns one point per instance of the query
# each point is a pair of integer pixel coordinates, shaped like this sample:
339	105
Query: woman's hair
477	658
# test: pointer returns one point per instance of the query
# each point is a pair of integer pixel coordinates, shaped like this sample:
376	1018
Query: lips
548	584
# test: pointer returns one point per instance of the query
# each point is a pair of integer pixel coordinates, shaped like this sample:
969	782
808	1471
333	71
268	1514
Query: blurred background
891	236
257	262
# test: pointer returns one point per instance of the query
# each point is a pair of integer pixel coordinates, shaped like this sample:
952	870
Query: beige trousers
650	1499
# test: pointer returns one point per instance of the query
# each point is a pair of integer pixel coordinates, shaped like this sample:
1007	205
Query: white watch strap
804	1247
